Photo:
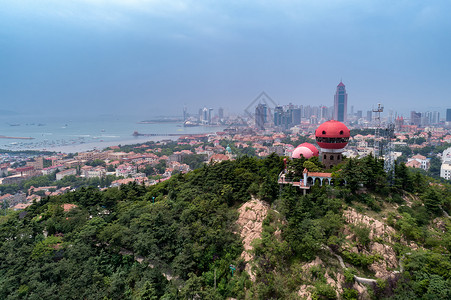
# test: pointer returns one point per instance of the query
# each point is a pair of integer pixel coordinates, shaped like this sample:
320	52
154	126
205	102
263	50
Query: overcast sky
151	57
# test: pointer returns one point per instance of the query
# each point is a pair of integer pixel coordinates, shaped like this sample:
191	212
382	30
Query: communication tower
377	131
389	161
387	134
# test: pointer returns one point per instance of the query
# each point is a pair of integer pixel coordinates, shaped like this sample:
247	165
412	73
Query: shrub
362	233
350	294
349	275
361	260
324	291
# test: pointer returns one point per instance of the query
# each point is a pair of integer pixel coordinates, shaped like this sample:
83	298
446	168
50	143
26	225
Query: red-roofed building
67	206
24	171
218	158
413	164
21	206
419	161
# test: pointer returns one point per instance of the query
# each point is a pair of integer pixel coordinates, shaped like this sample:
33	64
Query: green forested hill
178	239
184	227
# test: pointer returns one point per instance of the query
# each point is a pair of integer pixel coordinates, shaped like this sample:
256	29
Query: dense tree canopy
178	239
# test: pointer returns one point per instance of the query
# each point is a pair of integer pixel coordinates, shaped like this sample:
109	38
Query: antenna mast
389	161
377	118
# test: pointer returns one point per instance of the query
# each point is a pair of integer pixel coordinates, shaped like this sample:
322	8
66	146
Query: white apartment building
445	169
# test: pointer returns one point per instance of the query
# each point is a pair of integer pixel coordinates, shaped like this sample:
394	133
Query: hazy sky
151	57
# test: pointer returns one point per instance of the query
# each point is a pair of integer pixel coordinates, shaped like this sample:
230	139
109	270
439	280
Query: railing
283	180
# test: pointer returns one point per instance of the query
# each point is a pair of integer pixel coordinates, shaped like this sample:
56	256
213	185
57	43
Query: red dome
306	149
332	135
311	147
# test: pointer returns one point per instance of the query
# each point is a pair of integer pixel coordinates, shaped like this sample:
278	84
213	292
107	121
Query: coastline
70	135
89	146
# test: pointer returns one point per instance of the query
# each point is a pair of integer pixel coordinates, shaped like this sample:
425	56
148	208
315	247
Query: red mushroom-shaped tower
306	149
332	136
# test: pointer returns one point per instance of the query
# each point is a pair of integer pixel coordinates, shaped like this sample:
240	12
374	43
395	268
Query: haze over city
153	57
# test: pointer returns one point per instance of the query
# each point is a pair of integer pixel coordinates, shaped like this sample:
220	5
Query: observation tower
332	137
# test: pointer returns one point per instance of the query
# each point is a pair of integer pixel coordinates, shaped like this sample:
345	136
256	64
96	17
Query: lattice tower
377	131
389	162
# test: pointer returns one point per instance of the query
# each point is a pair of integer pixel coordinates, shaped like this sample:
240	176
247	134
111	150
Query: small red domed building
332	136
306	149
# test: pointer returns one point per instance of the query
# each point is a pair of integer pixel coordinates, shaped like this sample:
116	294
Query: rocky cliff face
359	260
250	220
384	234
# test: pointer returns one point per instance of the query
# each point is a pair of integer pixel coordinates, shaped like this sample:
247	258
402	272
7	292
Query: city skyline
153	57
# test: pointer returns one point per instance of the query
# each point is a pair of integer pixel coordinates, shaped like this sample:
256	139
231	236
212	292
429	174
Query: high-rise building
221	113
204	118
431	117
448	115
278	116
324	113
261	111
185	114
415	118
200	115
435	117
282	118
359	114
369	115
296	115
288	116
340	103
210	115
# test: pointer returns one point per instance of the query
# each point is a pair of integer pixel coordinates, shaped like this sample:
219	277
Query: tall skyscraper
261	116
296	115
324	113
369	115
287	116
448	115
185	114
204	117
431	117
415	118
359	114
340	103
278	116
210	115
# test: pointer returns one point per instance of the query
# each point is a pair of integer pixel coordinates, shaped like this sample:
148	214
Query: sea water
81	133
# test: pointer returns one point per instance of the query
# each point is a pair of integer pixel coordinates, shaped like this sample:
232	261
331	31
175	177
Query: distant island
162	120
15	137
